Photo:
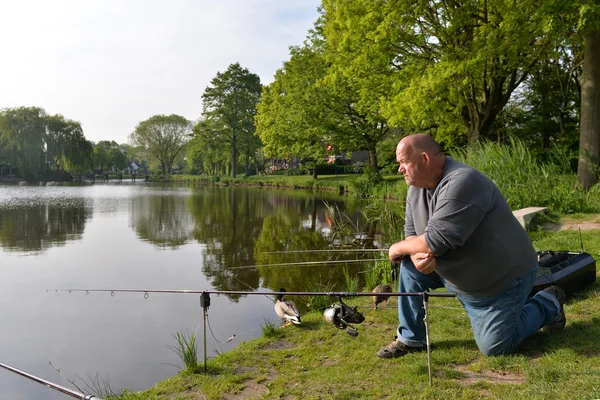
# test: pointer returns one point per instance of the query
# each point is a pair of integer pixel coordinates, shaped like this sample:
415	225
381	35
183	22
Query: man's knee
496	347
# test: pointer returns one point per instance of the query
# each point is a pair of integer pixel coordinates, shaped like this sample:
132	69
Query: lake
142	236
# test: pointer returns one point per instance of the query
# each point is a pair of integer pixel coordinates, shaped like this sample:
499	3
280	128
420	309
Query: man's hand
424	262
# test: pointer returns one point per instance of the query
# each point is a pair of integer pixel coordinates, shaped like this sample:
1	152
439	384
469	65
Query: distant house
133	167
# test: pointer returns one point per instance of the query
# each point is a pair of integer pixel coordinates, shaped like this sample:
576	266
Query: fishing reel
342	316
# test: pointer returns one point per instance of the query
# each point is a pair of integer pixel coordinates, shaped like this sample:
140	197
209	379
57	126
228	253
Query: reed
526	181
352	284
320	303
379	273
185	348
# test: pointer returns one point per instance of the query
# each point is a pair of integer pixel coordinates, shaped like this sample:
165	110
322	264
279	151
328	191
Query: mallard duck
380	298
287	310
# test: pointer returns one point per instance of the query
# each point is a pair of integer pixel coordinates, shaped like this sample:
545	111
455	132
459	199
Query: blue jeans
500	322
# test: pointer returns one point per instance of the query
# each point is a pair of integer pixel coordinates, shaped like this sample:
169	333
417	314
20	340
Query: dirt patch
253	389
278	345
493	376
566	224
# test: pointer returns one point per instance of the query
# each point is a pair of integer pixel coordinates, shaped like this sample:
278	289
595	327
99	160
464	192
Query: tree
450	65
589	139
208	147
163	137
305	110
230	101
65	143
23	131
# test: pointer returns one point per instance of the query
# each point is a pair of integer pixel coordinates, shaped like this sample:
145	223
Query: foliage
269	330
305	112
378	273
352	284
185	348
524	181
33	140
163	137
108	155
442	65
229	107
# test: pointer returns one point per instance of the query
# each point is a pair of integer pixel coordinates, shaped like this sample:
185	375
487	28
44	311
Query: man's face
412	166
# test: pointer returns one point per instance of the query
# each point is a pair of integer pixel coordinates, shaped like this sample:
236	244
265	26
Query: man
461	234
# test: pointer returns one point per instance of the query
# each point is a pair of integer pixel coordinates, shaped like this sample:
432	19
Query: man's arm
416	247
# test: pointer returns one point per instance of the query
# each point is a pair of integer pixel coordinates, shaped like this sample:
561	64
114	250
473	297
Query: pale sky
110	64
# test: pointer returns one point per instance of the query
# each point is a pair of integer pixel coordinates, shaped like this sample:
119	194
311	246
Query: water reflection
162	219
35	228
227	221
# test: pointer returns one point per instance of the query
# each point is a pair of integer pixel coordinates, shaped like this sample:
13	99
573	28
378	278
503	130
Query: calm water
137	236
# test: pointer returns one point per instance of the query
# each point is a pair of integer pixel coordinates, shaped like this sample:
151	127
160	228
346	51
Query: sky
111	64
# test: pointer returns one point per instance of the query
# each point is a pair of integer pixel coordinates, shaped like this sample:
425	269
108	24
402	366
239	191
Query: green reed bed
525	181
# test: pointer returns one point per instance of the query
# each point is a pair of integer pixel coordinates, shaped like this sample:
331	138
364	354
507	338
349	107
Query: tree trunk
373	159
162	164
234	157
589	134
247	162
314	174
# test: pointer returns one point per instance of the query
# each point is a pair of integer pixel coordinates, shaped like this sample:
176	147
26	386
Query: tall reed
526	181
185	348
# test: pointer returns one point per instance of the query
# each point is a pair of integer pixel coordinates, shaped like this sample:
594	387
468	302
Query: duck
380	298
287	310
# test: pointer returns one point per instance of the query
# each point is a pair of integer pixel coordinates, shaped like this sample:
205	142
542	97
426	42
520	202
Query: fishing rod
293	264
147	292
327	251
58	388
205	304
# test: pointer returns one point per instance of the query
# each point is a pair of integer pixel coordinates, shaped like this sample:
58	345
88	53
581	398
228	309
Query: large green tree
24	133
66	146
230	101
445	64
306	109
208	149
162	136
589	139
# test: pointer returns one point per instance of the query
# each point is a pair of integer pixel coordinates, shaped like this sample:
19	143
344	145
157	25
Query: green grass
318	361
185	348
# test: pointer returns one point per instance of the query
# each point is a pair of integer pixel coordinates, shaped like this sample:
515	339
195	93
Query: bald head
421	160
420	143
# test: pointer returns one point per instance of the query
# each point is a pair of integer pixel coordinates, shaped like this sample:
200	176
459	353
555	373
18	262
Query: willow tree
162	136
24	134
450	65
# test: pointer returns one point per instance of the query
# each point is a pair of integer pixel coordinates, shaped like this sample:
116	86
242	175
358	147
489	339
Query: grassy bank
318	361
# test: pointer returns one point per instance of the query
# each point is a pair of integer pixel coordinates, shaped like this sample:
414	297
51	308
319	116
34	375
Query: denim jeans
500	322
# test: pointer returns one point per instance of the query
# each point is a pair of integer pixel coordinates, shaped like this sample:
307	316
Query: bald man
461	234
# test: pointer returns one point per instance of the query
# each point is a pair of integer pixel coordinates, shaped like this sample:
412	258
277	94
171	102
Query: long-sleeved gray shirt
479	245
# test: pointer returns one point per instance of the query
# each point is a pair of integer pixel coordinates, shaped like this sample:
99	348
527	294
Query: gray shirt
479	245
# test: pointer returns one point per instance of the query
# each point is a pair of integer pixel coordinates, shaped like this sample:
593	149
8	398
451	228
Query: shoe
558	323
397	349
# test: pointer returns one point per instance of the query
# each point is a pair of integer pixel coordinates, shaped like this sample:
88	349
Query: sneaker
397	349
558	323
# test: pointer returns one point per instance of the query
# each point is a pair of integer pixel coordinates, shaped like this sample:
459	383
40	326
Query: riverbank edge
318	361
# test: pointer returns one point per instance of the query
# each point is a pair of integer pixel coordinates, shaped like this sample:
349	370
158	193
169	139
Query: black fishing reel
342	316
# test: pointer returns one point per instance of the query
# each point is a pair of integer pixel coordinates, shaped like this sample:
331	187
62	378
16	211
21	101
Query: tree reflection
227	221
39	227
242	227
162	220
